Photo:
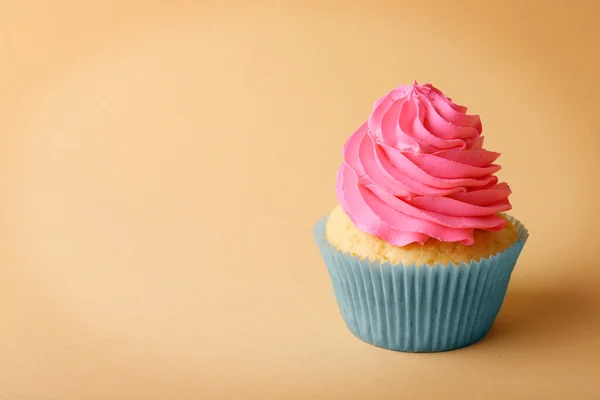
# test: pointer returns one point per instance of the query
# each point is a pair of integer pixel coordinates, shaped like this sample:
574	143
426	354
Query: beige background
161	167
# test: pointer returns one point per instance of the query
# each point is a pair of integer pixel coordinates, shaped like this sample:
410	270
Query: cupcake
419	249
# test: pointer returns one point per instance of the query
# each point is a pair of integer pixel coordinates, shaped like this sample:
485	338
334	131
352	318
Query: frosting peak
416	169
421	118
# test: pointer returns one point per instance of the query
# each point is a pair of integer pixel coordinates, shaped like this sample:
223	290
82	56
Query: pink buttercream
417	170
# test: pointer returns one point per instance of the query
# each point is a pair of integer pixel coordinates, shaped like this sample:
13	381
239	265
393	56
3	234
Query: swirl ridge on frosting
417	169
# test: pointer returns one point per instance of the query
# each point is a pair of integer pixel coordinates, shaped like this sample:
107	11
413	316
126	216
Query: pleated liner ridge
419	309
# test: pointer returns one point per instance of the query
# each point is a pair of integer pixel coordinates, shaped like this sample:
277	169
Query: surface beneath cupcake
343	235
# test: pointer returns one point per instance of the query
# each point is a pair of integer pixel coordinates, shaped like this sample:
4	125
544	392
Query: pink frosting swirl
417	170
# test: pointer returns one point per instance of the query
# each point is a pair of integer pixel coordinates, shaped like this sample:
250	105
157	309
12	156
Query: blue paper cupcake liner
419	309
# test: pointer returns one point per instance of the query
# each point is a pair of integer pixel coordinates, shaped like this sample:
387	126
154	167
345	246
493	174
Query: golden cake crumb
343	235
